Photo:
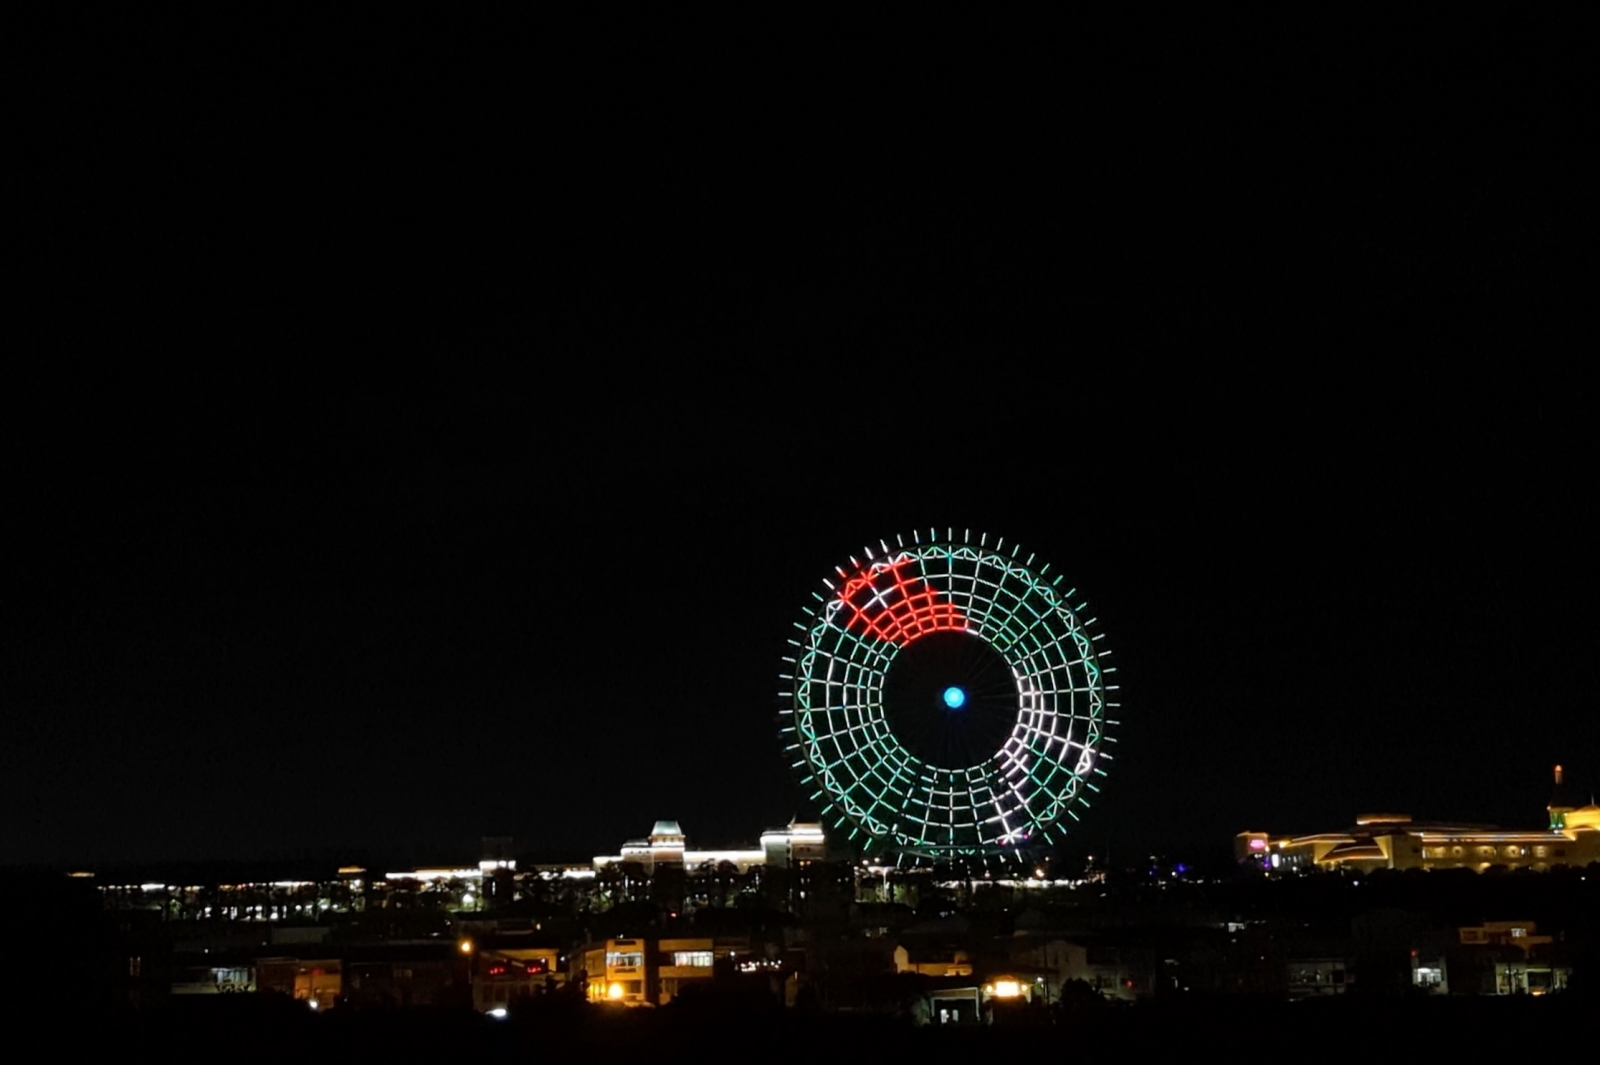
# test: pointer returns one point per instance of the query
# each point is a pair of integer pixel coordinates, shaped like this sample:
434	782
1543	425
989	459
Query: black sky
433	442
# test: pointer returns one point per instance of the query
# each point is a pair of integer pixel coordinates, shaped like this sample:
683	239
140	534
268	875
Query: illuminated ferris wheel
948	700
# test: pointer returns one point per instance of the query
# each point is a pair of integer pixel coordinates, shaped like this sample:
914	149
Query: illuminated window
619	960
698	959
1541	851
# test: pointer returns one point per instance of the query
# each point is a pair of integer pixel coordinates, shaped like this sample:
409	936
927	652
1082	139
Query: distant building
667	845
1395	841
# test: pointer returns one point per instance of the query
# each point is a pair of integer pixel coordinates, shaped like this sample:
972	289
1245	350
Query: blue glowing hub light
954	698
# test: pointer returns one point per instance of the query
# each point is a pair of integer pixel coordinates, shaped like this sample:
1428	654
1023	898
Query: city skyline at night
523	435
635	538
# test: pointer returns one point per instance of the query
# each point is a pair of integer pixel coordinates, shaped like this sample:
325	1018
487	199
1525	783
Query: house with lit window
509	963
681	962
616	972
503	975
1511	958
316	981
653	972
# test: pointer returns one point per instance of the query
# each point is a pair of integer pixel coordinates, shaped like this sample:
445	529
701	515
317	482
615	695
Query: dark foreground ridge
251	1028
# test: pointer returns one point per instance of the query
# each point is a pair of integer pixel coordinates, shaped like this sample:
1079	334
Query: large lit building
667	845
1395	841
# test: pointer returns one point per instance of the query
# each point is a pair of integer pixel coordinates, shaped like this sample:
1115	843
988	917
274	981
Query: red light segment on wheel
886	603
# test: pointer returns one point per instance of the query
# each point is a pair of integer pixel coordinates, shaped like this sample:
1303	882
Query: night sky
424	445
